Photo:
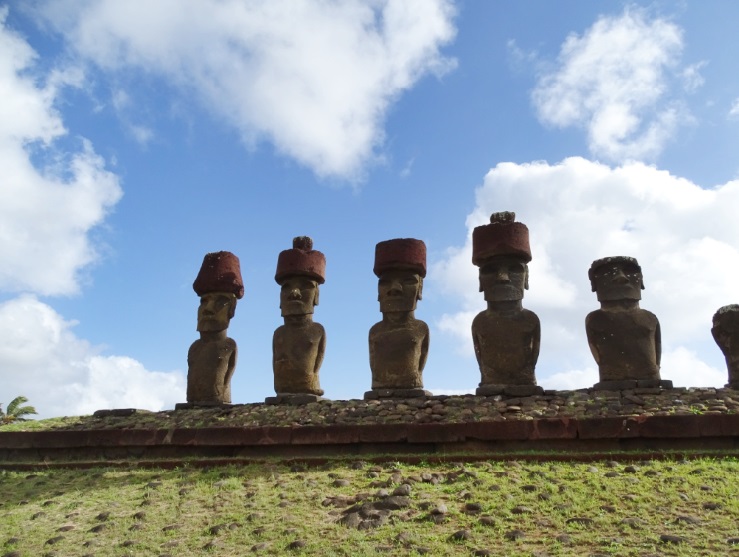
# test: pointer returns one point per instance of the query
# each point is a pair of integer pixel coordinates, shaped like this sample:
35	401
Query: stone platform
648	421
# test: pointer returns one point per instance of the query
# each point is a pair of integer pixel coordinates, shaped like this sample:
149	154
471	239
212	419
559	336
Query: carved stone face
215	311
504	278
398	291
298	295
618	281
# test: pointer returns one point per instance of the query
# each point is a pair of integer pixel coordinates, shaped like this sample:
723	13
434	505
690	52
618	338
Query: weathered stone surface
375	394
322	435
119	412
398	345
605	428
669	426
201	404
299	345
294	399
211	360
509	390
725	332
625	340
506	337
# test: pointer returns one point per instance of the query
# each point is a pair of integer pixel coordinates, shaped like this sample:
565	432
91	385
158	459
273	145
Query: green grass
265	507
42	425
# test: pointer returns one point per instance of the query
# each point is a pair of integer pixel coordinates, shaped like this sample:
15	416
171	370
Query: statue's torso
397	354
626	343
210	366
297	353
507	346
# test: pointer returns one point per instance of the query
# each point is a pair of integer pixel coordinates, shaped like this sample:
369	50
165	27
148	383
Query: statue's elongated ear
526	277
420	288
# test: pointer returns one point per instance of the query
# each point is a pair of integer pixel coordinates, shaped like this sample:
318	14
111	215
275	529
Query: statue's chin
503	293
616	294
212	326
296	308
394	306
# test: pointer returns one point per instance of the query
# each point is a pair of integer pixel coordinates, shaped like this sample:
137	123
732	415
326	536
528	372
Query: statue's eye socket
515	268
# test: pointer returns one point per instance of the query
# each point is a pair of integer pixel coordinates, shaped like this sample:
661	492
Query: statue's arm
424	348
536	342
371	350
231	365
658	343
591	340
274	348
476	345
321	352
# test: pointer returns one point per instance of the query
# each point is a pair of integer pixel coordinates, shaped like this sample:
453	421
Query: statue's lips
621	291
396	304
507	289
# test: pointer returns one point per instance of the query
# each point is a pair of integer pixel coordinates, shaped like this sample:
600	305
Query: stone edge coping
563	428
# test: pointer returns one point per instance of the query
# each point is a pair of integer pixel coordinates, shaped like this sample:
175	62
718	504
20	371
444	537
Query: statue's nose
395	288
502	276
295	294
619	277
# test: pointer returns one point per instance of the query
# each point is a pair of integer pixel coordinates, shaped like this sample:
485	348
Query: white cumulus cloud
47	210
313	78
62	375
685	238
50	200
614	81
734	110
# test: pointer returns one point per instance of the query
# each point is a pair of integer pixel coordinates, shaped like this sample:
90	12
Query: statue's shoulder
529	316
647	317
194	347
421	326
377	327
595	316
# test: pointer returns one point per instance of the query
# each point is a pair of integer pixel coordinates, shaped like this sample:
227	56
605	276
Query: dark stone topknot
304	243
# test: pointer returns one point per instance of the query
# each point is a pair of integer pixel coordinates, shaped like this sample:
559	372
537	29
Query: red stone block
232	436
607	428
380	433
499	431
670	426
436	433
17	440
718	425
131	437
325	435
554	428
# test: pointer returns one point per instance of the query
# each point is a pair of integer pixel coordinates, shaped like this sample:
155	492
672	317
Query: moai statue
212	359
624	339
726	334
398	344
506	336
298	345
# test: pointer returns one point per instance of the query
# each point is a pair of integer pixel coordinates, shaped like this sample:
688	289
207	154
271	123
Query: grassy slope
266	507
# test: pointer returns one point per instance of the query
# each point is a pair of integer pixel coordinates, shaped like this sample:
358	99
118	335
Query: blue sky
136	137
